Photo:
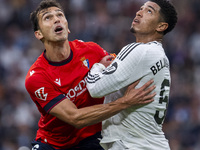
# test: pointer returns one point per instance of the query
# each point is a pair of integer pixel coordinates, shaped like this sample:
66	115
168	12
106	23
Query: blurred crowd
106	22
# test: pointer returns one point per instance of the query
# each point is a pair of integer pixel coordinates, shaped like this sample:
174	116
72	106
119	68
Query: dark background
106	22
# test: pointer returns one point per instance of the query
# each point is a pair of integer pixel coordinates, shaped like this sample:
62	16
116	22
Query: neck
146	38
57	51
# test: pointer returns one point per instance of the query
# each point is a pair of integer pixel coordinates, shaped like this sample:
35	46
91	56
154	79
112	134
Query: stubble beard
132	30
62	39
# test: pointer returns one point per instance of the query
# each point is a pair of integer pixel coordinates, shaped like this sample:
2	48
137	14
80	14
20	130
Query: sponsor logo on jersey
85	62
32	72
58	82
77	90
40	94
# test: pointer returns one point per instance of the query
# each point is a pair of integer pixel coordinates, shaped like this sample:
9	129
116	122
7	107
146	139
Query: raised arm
120	73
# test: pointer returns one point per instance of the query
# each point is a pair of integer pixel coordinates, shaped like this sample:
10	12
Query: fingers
146	92
142	95
107	60
109	57
147	97
146	85
133	85
150	97
147	101
143	102
149	90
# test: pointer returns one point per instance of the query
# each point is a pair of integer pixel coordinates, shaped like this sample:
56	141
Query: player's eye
149	11
60	15
47	17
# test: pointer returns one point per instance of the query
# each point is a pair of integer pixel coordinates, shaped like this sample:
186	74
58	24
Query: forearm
92	115
132	98
93	76
101	83
81	117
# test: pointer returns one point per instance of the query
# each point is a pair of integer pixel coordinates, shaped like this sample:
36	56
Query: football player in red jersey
70	117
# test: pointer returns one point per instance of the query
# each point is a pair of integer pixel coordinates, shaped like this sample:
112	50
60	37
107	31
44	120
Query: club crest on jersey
85	62
40	94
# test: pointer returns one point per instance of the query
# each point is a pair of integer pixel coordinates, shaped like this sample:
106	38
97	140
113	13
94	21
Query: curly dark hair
168	13
44	4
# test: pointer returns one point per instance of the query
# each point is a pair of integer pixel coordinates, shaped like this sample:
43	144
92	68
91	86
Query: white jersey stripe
127	50
121	53
92	78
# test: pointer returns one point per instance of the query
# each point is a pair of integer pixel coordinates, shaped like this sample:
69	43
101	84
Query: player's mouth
58	29
136	21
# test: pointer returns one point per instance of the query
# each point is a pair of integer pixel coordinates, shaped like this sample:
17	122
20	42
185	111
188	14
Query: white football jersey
138	128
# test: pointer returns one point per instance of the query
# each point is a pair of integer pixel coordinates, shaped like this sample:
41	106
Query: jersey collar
59	63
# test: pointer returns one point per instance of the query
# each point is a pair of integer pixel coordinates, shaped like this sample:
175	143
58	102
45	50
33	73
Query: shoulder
36	72
133	47
131	50
152	50
149	44
88	46
154	44
80	43
137	51
151	47
35	76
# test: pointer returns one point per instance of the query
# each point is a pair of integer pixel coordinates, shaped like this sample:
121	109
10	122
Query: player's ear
162	26
38	34
69	31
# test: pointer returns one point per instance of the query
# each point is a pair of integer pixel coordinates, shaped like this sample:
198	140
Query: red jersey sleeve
42	91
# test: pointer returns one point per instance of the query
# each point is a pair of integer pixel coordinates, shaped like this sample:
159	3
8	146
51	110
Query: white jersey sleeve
122	72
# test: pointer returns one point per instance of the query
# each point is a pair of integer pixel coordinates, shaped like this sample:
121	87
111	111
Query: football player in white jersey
138	128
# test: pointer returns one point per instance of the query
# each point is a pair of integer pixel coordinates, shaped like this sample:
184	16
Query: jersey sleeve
43	92
120	73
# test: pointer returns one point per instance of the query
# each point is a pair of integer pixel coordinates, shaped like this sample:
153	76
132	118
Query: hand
107	60
140	96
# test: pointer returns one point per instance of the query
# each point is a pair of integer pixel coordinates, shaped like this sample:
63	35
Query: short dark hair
44	4
168	13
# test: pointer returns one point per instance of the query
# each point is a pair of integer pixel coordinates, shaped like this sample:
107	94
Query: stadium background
107	23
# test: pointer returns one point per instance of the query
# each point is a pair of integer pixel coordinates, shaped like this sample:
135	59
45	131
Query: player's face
53	25
147	19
